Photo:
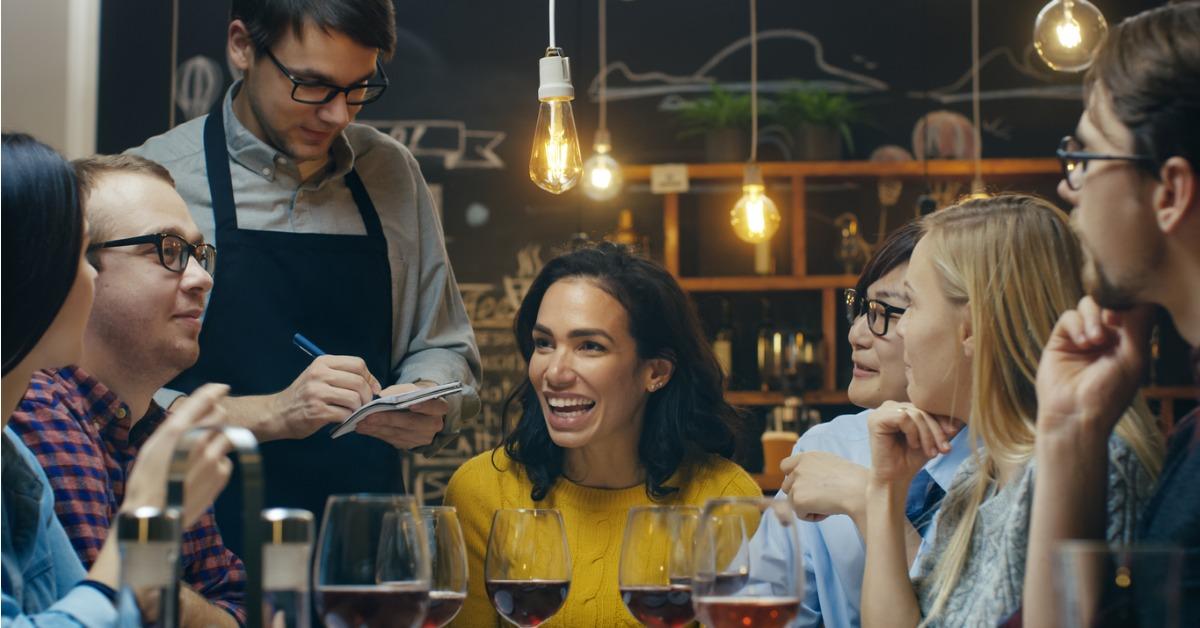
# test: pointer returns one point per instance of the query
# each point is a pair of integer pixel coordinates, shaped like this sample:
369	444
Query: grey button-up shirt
431	335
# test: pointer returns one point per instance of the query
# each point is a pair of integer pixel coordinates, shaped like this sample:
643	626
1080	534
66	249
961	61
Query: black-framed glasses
1075	162
311	92
173	251
879	314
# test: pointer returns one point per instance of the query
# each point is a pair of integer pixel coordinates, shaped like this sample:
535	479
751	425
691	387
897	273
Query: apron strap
220	182
366	208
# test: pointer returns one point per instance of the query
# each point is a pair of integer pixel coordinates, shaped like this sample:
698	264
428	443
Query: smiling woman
622	407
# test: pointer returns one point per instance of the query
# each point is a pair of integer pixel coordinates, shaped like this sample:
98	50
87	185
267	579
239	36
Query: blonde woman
1000	270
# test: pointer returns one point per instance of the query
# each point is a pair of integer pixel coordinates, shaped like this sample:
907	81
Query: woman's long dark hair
685	418
42	237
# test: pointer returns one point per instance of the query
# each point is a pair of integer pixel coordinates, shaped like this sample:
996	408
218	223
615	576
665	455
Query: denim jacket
41	570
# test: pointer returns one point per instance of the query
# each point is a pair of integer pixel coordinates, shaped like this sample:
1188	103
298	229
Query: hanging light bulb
555	163
602	178
1067	33
754	218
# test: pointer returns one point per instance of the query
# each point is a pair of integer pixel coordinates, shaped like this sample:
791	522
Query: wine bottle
722	343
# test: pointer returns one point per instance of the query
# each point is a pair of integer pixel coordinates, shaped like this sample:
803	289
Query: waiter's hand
408	429
326	392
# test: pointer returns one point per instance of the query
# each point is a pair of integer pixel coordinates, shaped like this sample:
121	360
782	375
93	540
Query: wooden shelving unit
830	285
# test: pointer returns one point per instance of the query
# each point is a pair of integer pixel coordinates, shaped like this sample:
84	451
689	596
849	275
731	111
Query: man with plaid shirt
86	423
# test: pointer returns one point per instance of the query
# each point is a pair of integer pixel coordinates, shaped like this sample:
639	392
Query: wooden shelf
1171	392
775	398
933	168
768	283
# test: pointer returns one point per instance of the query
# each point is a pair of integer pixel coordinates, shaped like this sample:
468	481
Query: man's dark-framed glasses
879	314
312	92
1074	161
173	251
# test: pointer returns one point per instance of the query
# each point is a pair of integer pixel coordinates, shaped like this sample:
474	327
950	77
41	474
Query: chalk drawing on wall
1004	69
198	85
653	84
451	141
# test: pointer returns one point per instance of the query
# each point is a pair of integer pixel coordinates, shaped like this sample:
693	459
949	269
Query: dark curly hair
686	418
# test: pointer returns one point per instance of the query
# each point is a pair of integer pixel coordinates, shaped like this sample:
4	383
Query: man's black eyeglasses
173	251
311	92
1075	162
879	314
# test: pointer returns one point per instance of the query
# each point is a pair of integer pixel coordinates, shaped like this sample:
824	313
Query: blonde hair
1014	261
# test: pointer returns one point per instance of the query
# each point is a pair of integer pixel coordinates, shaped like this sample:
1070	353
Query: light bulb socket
603	142
554	77
752	175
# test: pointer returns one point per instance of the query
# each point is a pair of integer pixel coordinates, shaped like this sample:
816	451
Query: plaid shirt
80	432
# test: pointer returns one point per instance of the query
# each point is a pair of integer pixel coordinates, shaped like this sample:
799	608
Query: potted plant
818	120
723	119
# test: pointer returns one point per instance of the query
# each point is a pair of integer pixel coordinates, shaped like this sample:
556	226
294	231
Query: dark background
475	62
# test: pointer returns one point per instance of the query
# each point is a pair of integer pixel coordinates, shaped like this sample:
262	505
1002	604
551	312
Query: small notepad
395	402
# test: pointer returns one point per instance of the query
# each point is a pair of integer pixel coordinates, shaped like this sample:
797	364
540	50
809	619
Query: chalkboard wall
463	97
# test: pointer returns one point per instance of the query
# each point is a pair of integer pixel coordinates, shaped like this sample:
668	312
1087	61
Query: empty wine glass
655	574
372	563
448	562
528	567
729	588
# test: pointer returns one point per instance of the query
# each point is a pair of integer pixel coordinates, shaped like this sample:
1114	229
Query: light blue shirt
41	570
832	550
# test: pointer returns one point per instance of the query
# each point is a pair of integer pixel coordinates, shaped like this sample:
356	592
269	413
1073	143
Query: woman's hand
208	466
819	484
903	438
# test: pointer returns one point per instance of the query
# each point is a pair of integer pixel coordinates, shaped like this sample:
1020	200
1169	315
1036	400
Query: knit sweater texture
595	524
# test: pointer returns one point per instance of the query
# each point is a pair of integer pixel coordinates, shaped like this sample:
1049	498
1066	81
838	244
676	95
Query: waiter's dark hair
371	23
686	418
1150	66
896	249
42	240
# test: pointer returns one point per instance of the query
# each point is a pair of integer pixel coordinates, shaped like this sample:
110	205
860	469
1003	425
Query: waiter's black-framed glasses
1075	161
312	92
173	251
879	314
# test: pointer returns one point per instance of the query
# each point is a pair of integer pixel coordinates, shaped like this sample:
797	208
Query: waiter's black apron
334	289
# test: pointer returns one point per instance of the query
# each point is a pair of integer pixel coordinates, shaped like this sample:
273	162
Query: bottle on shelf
722	343
770	350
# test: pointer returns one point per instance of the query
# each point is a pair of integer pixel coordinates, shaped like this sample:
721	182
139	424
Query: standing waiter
326	228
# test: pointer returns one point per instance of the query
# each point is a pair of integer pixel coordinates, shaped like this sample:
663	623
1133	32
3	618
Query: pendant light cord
754	81
603	66
552	42
977	184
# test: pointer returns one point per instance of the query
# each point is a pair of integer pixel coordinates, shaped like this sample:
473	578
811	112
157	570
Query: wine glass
372	563
655	575
1100	585
730	588
448	562
528	567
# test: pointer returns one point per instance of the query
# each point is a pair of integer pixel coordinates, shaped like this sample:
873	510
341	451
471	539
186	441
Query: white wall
49	52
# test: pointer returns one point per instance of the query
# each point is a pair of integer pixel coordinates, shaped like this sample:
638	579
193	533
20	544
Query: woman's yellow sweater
595	525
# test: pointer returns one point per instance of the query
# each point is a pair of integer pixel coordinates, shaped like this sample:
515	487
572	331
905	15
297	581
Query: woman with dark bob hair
622	407
47	292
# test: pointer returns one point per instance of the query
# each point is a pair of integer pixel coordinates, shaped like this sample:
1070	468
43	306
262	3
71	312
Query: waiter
327	229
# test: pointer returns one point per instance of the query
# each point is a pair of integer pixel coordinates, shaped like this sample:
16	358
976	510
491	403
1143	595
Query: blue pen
307	346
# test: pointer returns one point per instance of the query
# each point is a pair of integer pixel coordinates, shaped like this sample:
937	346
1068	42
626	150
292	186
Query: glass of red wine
372	563
729	588
448	565
528	567
655	575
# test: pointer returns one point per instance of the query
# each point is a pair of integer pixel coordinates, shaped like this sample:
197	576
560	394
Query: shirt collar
263	159
943	467
111	415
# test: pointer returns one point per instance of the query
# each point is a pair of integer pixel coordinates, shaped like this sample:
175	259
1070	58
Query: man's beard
1107	293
